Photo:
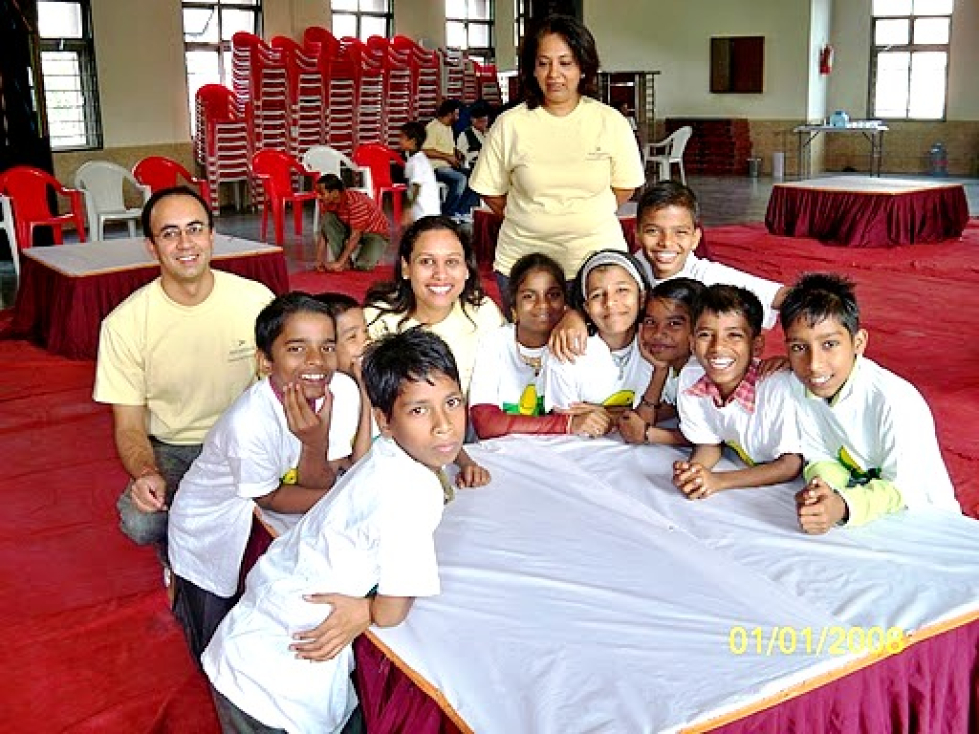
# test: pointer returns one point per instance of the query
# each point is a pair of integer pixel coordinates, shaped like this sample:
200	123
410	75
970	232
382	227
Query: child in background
612	375
374	530
352	339
506	394
667	232
436	285
280	446
423	190
664	340
868	436
721	400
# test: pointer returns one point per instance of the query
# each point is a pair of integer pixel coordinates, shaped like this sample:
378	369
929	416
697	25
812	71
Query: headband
609	257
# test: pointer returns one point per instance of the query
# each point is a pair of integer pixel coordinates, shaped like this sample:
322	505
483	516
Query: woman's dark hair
271	320
528	264
583	48
398	297
413	355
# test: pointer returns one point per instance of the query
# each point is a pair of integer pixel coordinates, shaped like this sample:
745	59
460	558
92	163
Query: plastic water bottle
938	160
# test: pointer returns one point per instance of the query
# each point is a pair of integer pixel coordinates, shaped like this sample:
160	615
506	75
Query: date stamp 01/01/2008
835	640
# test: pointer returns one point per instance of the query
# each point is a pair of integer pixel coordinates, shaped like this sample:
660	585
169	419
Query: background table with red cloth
859	211
486	230
616	612
66	290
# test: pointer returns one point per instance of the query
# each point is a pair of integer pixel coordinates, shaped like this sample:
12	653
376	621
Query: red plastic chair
378	159
158	173
28	189
274	169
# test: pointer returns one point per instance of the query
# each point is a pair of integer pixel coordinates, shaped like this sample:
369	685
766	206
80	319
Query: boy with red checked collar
722	400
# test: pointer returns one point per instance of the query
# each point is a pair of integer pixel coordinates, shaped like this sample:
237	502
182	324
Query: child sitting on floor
612	375
280	446
374	529
668	231
664	340
868	436
721	400
506	395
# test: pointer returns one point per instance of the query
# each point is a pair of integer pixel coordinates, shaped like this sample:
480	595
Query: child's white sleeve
406	557
560	384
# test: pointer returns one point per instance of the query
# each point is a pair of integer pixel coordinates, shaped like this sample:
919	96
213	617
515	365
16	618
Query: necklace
620	359
533	357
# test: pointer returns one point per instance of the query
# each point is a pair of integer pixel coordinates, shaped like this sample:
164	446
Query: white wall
819	35
674	38
142	77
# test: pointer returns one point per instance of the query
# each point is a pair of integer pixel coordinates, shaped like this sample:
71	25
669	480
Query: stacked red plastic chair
305	95
223	142
453	73
488	83
369	86
425	77
339	79
397	88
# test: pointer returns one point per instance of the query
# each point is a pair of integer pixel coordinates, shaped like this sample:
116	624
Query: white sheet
106	256
583	593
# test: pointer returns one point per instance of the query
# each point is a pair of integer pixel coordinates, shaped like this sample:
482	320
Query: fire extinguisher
826	59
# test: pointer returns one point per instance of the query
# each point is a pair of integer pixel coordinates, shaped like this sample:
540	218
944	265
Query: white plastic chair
7	225
323	159
104	186
673	148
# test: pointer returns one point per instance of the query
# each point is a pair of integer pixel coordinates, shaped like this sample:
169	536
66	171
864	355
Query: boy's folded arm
291	499
872	500
706	454
491	422
830	471
389	611
783	469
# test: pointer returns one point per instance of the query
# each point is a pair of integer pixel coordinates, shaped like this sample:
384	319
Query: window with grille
68	74
469	26
909	58
362	18
208	29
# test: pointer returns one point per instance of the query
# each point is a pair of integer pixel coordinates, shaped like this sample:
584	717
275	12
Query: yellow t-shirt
439	137
461	330
558	174
186	364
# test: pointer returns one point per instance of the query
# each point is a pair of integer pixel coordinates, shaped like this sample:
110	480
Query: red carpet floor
91	644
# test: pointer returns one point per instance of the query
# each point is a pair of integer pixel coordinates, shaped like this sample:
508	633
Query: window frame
387	15
485	54
912	48
88	80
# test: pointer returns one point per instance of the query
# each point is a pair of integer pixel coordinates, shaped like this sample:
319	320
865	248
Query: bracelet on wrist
147	471
650	404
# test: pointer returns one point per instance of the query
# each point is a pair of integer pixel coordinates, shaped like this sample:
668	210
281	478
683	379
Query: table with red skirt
582	592
860	211
66	290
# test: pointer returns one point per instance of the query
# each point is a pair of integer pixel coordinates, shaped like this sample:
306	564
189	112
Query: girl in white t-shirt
664	340
505	395
612	374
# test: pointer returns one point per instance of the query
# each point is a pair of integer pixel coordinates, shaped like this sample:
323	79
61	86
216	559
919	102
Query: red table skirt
933	686
64	313
867	219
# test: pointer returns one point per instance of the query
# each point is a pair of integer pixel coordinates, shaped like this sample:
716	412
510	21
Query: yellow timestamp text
834	640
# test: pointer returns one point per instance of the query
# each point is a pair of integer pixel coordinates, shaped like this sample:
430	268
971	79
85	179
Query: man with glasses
172	357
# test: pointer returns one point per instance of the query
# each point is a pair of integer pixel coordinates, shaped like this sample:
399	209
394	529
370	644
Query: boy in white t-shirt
868	436
279	446
722	401
374	529
423	190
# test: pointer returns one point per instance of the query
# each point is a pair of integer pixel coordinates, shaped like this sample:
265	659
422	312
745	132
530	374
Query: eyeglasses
192	231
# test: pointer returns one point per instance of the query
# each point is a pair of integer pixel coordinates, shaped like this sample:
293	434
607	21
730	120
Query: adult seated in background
447	161
558	166
470	140
354	227
172	357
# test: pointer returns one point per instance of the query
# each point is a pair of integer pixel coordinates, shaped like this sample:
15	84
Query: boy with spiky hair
868	436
